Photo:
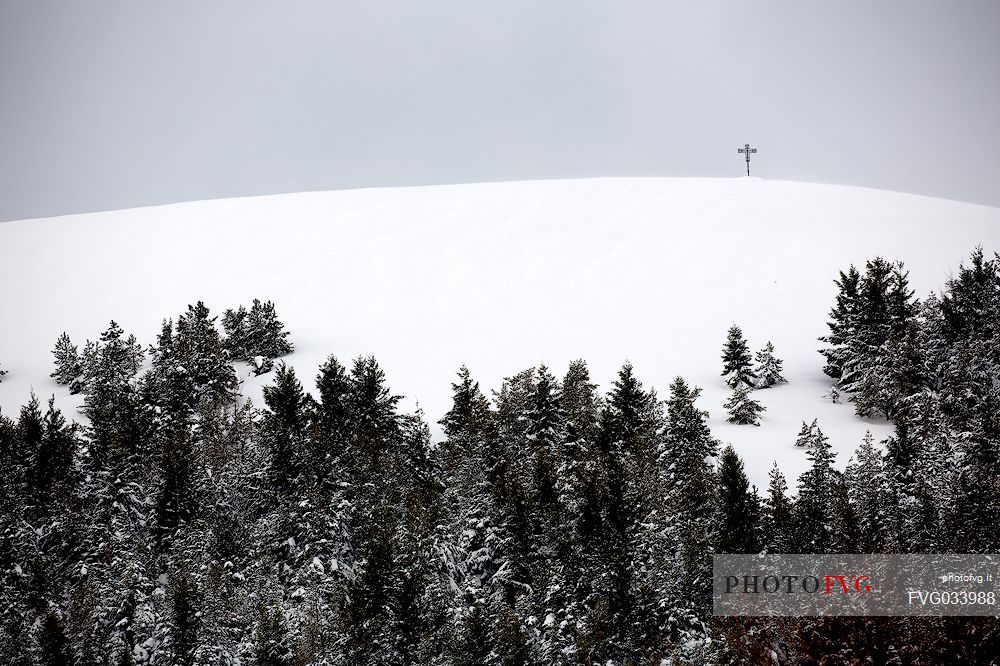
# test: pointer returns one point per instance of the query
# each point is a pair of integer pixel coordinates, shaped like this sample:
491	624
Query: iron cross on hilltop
747	149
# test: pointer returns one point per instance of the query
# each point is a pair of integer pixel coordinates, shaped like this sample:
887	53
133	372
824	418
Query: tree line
553	524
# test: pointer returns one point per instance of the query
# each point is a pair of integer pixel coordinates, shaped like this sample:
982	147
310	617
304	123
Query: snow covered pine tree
768	368
68	367
736	359
743	409
257	336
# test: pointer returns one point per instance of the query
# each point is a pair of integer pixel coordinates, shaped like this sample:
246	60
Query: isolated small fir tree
736	359
804	438
2	373
810	436
68	367
743	409
768	368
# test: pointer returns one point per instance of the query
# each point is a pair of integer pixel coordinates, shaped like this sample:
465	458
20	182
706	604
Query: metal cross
747	149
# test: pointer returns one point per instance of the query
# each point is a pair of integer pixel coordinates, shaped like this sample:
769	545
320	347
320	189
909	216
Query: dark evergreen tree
813	513
844	532
329	455
475	492
689	481
236	342
742	408
872	312
778	530
271	643
372	628
737	528
737	363
868	488
201	354
68	366
176	499
257	333
545	422
266	334
970	303
976	504
470	413
108	368
374	420
51	472
183	617
54	648
285	425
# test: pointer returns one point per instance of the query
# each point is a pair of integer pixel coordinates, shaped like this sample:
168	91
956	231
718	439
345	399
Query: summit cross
747	149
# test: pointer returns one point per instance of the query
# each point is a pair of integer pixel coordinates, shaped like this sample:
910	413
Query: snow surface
500	276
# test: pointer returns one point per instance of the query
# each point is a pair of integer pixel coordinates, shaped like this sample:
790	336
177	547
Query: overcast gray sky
118	103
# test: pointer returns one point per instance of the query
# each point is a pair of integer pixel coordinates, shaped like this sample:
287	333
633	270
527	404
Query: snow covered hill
499	276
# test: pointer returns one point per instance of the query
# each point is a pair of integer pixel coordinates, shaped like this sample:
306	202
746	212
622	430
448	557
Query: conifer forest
173	521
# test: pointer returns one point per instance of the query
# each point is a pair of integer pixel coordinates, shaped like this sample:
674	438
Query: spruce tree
108	368
234	324
813	513
810	435
737	363
580	489
737	526
778	512
768	368
54	648
256	333
469	413
969	303
198	351
871	312
330	440
51	470
842	324
176	501
267	335
545	422
742	408
271	643
689	480
285	426
68	367
373	409
476	488
844	532
868	489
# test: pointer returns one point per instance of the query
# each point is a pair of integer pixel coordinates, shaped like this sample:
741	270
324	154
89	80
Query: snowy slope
499	276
